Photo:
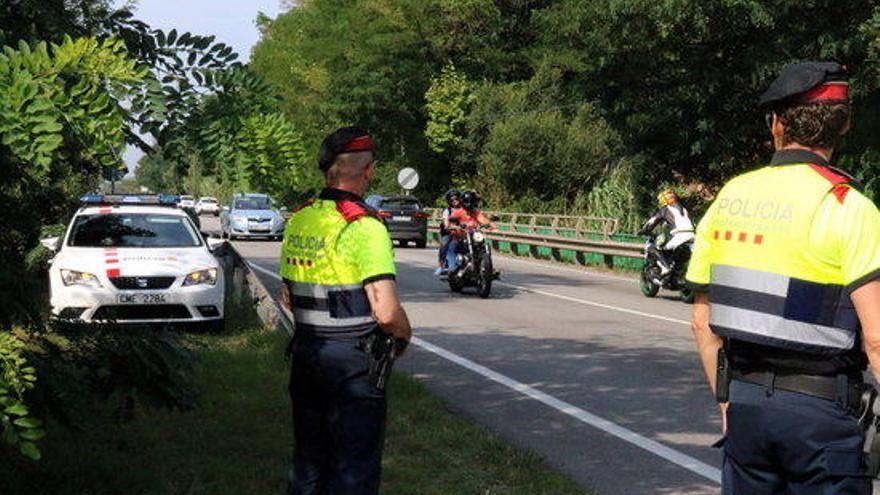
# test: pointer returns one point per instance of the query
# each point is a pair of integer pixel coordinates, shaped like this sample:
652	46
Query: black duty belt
833	388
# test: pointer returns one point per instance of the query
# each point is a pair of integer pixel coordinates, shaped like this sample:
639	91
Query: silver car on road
252	215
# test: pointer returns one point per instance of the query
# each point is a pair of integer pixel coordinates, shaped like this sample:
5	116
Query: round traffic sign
408	178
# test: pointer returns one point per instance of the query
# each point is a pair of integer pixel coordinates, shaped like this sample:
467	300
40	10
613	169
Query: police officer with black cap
338	269
786	268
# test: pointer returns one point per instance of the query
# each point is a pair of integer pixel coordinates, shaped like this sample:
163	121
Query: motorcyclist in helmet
674	216
468	216
453	203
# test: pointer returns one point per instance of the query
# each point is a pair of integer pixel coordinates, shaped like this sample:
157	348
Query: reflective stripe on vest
764	307
767	285
331	310
329	299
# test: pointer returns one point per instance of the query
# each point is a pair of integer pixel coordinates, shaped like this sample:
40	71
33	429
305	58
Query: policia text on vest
786	266
338	268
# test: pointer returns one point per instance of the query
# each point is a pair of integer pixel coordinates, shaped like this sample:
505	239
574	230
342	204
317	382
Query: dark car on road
406	220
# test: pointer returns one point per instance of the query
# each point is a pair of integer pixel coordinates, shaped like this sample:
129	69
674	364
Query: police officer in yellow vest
787	316
338	267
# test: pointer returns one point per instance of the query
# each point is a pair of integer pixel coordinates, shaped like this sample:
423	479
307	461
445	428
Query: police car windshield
253	204
133	230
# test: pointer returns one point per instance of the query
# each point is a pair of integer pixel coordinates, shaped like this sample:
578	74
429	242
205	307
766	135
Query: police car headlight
208	277
73	277
479	237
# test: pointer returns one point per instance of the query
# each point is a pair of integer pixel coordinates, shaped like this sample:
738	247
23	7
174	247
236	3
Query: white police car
134	259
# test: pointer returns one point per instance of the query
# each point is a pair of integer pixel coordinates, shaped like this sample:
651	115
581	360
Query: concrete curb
268	310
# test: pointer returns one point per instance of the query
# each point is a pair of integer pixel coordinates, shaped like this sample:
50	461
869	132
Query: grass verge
238	441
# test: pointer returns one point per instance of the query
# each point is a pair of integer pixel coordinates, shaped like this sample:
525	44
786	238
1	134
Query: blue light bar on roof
129	199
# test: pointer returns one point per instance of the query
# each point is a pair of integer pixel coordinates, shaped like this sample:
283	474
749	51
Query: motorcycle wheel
484	286
648	286
455	283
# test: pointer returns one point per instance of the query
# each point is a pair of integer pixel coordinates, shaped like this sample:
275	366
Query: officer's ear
370	169
777	128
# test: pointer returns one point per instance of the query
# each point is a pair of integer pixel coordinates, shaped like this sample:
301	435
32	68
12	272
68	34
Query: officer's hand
724	406
386	308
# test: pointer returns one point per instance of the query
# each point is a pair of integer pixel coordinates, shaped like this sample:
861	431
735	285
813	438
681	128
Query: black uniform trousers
781	442
338	419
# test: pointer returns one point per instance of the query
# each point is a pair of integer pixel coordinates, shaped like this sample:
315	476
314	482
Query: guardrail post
609	260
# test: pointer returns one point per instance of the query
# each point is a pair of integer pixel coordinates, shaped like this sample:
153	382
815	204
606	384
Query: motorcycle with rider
469	252
667	253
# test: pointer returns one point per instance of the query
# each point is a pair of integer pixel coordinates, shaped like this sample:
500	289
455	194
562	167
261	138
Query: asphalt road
575	365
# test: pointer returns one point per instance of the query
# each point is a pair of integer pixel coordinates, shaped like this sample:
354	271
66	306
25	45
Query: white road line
614	429
596	304
264	270
627	435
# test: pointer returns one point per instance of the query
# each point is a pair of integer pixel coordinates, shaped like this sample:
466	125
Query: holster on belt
869	421
722	377
381	350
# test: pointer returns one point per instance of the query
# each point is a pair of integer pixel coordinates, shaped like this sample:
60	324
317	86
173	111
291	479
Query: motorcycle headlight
479	237
73	277
208	277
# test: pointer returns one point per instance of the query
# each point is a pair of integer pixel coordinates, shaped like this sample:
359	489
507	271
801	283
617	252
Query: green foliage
232	140
51	20
18	428
673	82
62	122
129	368
617	195
546	153
448	102
69	92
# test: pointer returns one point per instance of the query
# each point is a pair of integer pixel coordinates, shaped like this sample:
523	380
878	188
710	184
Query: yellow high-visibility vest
767	283
332	247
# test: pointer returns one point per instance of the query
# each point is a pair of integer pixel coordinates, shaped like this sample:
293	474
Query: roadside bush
18	427
126	369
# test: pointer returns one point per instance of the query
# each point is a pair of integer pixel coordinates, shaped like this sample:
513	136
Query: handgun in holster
869	422
381	352
722	377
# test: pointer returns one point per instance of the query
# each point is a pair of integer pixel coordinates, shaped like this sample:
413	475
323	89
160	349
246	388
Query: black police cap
797	80
348	139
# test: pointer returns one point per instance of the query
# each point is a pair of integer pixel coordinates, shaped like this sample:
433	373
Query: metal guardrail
556	232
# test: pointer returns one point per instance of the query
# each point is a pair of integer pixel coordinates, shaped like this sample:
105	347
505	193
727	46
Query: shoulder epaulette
354	210
841	182
832	175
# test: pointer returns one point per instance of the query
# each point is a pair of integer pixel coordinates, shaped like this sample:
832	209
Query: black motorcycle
653	279
474	264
